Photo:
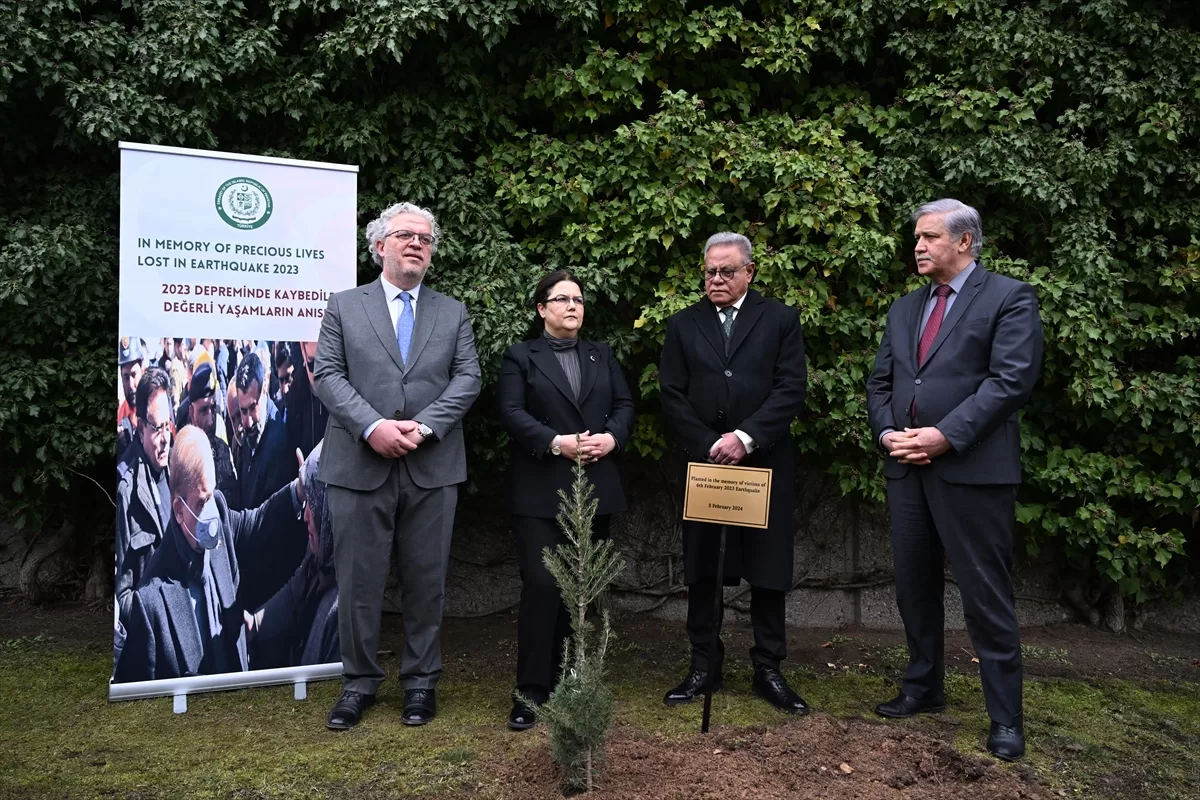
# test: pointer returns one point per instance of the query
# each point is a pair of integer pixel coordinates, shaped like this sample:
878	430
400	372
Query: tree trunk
41	550
1112	609
99	585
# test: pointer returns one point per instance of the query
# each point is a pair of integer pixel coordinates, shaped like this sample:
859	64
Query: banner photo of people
224	557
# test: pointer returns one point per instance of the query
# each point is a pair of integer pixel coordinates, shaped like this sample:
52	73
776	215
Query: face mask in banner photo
208	524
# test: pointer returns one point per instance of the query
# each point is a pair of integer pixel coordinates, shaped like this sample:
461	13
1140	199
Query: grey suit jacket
360	378
978	373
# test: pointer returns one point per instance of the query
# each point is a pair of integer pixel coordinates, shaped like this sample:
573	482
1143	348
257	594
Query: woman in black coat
558	395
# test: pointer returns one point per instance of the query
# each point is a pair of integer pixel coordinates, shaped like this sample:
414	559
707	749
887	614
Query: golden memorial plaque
727	495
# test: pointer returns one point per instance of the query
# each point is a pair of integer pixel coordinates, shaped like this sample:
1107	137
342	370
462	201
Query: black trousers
974	526
543	623
767	617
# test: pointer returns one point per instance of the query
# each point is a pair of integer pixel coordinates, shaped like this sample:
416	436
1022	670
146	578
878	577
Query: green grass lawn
61	738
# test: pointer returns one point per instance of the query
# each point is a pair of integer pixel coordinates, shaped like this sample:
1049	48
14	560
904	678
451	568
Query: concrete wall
843	560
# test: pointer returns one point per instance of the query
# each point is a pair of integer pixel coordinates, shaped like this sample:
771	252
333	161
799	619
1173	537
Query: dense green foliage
615	136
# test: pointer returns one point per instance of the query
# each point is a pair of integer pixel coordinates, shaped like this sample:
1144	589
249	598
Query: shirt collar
958	281
736	305
393	292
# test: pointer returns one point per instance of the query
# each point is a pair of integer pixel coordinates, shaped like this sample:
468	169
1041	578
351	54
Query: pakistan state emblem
244	203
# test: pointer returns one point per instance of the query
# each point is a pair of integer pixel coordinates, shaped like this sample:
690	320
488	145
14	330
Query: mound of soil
817	757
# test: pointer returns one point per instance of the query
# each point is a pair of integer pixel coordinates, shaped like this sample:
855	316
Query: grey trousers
366	527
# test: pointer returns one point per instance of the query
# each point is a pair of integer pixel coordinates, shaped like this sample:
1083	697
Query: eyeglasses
425	239
726	273
562	299
158	430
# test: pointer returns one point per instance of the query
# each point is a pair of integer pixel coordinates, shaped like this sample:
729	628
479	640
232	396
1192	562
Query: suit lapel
146	493
428	305
917	311
589	367
222	573
745	319
710	325
182	620
957	311
545	360
375	305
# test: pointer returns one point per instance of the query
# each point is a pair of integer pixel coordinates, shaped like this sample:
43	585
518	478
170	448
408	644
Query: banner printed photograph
224	555
224	563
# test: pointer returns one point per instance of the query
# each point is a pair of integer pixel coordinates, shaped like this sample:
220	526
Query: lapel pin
593	358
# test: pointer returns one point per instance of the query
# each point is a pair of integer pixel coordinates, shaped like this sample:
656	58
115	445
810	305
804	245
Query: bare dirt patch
815	757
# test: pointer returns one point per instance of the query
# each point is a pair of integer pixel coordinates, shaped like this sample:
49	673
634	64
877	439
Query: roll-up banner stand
224	573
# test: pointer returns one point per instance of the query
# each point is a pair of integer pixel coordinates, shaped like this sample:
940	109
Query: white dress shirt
736	308
394	305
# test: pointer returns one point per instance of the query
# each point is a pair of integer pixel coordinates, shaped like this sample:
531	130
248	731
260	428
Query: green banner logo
244	203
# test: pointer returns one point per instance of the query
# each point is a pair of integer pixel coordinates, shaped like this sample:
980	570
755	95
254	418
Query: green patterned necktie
727	320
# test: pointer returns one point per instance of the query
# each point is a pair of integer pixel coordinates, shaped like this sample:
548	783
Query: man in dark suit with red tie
958	359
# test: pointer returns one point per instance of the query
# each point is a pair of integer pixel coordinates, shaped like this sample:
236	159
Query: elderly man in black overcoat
732	379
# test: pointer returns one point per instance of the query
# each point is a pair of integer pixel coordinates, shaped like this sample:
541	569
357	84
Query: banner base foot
301	690
180	703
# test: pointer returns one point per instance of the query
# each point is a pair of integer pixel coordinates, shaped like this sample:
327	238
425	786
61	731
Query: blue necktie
404	326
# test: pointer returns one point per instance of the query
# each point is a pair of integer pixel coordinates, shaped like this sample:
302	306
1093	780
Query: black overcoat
755	383
536	403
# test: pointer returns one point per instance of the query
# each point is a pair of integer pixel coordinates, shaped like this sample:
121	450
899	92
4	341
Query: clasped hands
729	449
592	446
915	446
393	438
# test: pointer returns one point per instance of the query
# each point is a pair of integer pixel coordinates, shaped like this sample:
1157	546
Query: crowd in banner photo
218	443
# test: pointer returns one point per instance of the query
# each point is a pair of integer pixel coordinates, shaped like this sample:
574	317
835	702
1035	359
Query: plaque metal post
715	657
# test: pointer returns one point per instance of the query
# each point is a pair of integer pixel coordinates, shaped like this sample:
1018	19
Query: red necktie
934	324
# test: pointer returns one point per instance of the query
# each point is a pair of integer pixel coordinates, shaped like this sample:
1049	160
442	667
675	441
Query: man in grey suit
397	369
959	358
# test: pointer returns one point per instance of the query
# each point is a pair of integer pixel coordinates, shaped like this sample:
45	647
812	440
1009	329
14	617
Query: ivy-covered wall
614	137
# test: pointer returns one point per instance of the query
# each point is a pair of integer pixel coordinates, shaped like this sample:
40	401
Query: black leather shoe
522	717
904	705
348	710
1007	743
769	684
691	688
420	706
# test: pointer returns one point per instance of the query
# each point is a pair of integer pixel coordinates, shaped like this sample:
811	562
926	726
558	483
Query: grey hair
960	218
377	228
728	237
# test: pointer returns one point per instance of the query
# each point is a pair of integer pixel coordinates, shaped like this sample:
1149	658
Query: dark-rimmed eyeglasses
726	273
426	239
563	299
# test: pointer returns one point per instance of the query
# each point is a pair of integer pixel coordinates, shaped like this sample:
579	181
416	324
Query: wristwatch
424	430
554	448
